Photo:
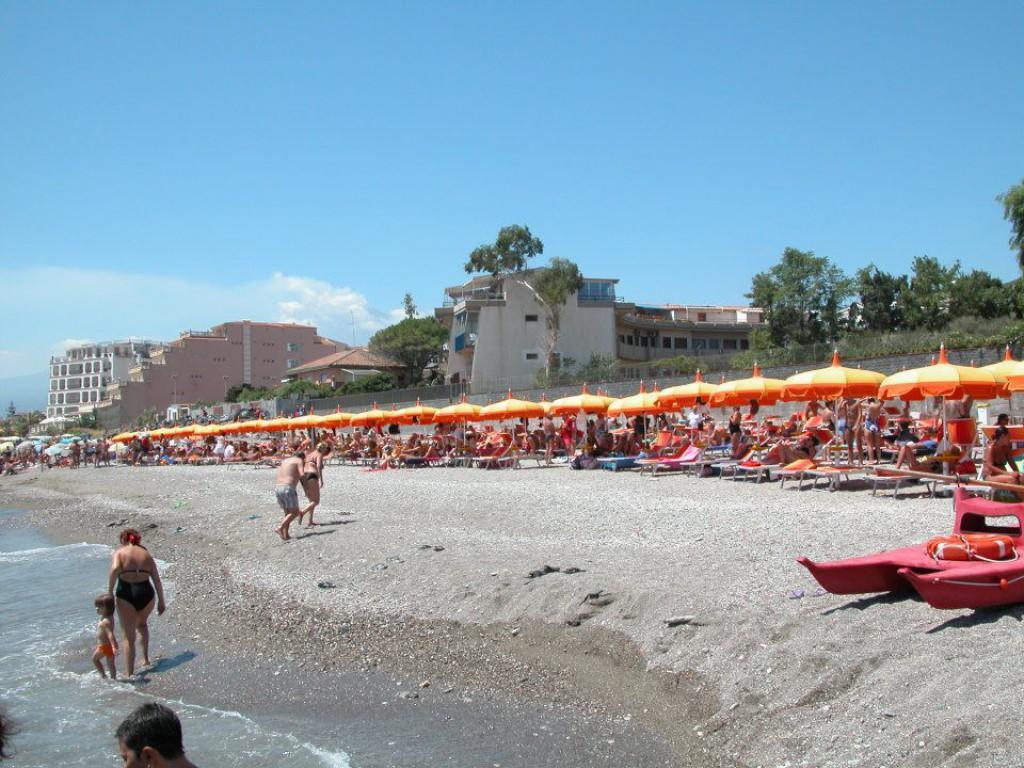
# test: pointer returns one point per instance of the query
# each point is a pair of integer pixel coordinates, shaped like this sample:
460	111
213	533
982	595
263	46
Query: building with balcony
80	377
203	365
645	333
498	330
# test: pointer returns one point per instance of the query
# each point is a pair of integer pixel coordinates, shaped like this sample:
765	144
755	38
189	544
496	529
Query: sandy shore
430	583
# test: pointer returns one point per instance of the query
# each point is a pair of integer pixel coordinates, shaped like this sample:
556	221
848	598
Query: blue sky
165	166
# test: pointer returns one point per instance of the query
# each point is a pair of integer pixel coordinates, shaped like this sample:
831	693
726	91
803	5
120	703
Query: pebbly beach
665	619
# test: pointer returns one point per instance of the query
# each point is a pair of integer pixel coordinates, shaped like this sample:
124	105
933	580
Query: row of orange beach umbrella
940	379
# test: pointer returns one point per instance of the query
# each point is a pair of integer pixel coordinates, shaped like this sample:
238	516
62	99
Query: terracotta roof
357	357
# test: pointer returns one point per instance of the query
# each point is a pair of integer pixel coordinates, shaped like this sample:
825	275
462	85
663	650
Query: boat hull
947	584
984	586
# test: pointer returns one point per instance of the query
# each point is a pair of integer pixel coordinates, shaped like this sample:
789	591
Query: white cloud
63	345
320	303
156	307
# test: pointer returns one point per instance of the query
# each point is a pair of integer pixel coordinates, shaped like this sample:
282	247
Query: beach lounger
676	463
747	469
893	478
835	475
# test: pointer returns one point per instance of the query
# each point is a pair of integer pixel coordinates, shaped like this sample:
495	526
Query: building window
532	356
643	341
702	317
700	344
531	318
629	341
744	344
622	339
293	346
292	363
712	343
729	344
680	342
666	342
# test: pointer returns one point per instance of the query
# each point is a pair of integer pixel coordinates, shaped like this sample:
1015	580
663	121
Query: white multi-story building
497	330
79	378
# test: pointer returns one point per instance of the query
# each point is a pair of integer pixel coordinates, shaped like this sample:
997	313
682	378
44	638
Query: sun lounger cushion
800	464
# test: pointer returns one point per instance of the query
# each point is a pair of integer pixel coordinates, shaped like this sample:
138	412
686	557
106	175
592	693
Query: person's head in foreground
3	736
1003	420
151	737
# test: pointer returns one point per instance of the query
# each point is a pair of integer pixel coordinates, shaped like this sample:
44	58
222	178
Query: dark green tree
929	296
242	393
980	294
11	410
408	305
803	297
378	382
880	305
509	253
414	342
1013	212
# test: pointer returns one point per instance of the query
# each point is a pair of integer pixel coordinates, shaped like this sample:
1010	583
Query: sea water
63	712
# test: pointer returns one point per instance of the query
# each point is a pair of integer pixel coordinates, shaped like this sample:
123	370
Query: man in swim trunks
285	484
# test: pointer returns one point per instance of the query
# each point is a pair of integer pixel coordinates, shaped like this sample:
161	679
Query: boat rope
1002	583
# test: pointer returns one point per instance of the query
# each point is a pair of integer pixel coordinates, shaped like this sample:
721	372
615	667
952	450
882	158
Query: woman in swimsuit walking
312	480
133	576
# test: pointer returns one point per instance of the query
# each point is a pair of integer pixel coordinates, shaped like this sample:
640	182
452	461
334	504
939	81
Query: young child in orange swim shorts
106	642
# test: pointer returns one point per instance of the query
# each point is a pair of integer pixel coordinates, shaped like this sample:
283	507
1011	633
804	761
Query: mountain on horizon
27	392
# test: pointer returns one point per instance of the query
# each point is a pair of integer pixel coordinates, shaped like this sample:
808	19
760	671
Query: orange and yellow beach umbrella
742	391
460	411
276	425
1007	368
415	414
334	420
943	379
372	418
511	408
584	401
834	381
643	403
686	395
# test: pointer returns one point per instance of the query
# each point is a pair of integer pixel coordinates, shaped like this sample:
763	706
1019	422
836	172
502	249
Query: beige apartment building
203	365
497	331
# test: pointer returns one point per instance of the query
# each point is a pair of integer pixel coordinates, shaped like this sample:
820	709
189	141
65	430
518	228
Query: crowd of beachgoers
855	432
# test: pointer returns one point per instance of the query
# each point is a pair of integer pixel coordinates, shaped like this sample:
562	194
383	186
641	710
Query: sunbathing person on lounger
787	452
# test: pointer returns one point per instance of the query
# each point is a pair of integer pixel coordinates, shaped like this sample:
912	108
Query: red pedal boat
942	583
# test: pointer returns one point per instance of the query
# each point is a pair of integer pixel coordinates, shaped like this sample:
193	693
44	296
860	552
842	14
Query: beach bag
989	547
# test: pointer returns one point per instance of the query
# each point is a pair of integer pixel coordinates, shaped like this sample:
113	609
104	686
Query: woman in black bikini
312	480
134	574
